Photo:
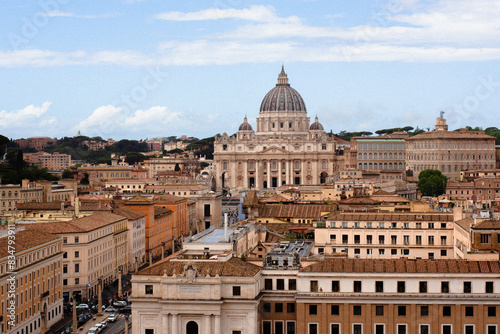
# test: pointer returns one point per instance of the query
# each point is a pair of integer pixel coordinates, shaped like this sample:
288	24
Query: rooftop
26	239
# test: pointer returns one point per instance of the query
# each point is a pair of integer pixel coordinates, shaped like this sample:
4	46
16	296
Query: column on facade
245	174
257	175
207	325
175	327
165	324
302	171
217	324
269	173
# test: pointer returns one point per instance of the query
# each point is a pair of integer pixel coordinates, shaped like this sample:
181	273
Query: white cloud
33	118
254	13
58	13
155	117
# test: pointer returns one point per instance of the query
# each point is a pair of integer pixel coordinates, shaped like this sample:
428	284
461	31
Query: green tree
85	179
67	174
177	167
432	182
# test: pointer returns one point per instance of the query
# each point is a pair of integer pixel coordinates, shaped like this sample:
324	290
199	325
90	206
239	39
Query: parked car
98	326
110	309
112	318
120	303
83	306
93	330
104	324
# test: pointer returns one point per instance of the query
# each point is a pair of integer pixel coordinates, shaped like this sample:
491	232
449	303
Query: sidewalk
98	318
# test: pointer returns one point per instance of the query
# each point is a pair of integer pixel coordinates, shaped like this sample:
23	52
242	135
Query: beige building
94	248
14	194
450	151
30	280
55	161
284	149
386	235
136	235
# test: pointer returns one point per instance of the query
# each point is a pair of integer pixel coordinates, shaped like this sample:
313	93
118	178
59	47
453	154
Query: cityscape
237	167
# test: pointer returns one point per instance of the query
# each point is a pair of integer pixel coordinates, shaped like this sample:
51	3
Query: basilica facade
285	149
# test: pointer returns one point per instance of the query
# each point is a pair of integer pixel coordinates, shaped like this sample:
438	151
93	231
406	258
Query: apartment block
387	235
30	280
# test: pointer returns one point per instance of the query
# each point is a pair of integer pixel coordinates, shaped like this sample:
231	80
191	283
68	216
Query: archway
192	327
224	175
323	177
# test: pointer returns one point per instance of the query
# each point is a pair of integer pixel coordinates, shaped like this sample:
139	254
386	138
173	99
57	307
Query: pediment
273	150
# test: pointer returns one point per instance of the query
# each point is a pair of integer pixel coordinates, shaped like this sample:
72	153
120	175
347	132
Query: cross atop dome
282	77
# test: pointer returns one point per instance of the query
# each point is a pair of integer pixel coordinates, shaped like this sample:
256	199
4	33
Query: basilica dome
245	126
316	125
283	97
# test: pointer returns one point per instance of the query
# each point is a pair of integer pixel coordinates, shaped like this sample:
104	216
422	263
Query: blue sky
138	69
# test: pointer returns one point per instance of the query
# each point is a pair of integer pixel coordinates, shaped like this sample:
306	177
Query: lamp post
99	296
120	281
75	322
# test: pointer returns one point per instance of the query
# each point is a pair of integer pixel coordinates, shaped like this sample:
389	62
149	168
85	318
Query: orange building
159	225
178	205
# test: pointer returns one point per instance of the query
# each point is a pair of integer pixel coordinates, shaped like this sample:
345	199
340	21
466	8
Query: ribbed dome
283	97
316	125
245	126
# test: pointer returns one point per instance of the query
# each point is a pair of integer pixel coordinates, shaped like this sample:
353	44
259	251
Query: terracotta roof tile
403	266
232	267
294	210
128	213
84	224
25	240
487	225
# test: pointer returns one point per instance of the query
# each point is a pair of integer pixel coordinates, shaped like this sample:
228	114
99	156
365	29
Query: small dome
245	126
316	125
283	97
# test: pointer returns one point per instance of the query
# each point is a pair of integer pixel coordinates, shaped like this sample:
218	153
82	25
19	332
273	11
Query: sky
138	69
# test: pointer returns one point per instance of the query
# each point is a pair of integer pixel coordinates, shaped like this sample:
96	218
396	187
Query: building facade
30	286
284	149
451	152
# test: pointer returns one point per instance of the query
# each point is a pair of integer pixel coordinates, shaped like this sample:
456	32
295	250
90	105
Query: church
285	149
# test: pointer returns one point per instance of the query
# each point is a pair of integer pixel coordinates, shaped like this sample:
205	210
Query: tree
67	174
432	182
177	167
85	178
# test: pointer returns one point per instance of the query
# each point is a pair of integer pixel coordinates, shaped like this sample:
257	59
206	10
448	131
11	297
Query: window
401	286
266	327
379	286
65	240
65	269
489	287
369	239
334	328
335	309
77	281
313	309
290	327
486	238
394	252
345	238
149	331
402	311
431	240
313	328
446	329
314	286
443	252
292	284
335	286
381	239
491	329
149	289
418	239
290	308
467	287
430	256
424	329
77	267
446	311
266	307
469	311
424	311
469	329
236	290
445	287
268	284
379	310
379	329
492	311
356	310
77	240
401	328
280	284
357	328
77	254
381	251
278	307
357	286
